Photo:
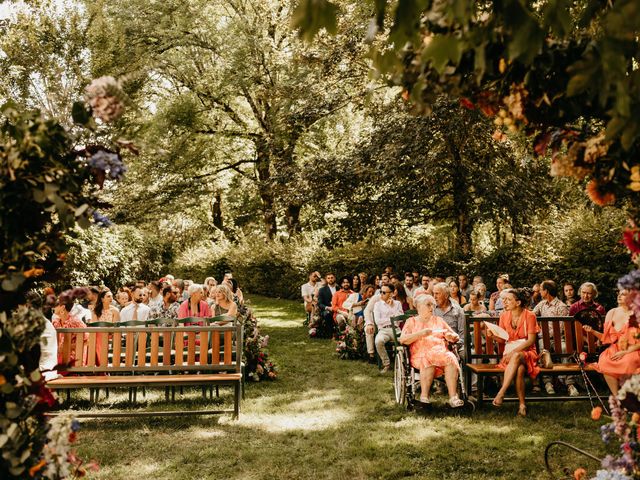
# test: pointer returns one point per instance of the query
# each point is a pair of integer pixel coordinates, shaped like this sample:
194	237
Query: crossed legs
516	369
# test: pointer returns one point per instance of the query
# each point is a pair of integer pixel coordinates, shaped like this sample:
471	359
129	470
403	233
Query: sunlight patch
275	323
276	423
360	378
205	434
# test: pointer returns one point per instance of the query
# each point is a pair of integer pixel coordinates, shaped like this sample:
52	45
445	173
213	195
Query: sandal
495	402
456	402
522	411
425	400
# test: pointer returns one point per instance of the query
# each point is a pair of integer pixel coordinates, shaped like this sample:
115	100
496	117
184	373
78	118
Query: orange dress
628	364
70	322
430	350
526	324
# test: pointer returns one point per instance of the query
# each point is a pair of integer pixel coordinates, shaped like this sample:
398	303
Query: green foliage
113	256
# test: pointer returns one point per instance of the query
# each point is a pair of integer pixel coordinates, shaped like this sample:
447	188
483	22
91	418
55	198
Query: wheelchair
406	379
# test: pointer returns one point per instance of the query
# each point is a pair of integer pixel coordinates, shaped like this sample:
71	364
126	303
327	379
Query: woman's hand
507	357
451	337
426	332
587	328
619	355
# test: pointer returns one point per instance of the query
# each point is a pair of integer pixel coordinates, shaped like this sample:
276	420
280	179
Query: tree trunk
293	219
216	211
265	190
464	222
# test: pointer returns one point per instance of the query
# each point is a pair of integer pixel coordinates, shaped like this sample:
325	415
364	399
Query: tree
563	71
444	169
237	90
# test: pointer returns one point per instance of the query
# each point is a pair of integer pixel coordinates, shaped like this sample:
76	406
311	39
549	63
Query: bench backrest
158	349
562	336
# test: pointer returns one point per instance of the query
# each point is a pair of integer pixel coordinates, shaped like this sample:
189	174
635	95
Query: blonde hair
226	291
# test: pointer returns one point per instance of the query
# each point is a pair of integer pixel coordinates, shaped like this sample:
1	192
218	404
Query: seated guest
424	286
499	304
474	304
325	297
211	297
400	294
588	293
224	302
195	305
364	279
309	292
409	284
238	296
104	311
384	280
124	297
383	311
500	282
456	295
169	306
356	285
429	352
155	294
569	291
465	288
210	282
359	303
622	358
520	355
449	311
552	306
340	314
483	298
136	310
535	296
65	319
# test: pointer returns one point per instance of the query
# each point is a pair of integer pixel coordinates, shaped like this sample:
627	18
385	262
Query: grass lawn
329	418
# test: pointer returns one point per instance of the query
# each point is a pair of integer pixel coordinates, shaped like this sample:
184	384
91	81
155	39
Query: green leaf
578	83
81	113
629	134
311	16
441	50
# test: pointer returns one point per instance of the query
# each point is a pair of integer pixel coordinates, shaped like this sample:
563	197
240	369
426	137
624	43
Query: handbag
545	360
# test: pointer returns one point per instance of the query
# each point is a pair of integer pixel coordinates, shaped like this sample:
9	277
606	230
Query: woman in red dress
522	357
622	357
64	319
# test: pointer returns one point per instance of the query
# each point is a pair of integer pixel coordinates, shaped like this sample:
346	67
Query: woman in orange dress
427	337
64	319
522	328
622	357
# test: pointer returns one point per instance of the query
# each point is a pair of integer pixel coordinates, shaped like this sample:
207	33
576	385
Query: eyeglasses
384	292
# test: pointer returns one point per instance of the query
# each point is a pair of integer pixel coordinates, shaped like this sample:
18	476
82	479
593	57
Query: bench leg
166	394
480	390
106	393
91	393
236	406
217	391
68	395
173	394
97	394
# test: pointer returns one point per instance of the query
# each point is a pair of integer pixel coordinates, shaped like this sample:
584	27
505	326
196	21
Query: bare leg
520	382
509	375
451	379
612	382
426	379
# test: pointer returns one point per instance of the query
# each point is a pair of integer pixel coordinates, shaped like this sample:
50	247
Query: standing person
622	358
195	305
104	311
569	291
383	311
552	306
522	357
325	296
136	310
465	288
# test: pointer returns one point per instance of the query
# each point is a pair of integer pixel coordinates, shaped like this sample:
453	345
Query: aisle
330	419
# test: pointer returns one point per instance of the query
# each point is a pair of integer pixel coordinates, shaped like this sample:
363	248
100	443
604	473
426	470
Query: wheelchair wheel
400	378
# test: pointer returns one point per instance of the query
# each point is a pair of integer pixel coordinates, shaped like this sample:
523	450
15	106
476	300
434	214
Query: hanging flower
596	413
106	98
598	197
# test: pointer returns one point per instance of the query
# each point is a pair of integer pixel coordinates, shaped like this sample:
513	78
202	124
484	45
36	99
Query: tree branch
231	166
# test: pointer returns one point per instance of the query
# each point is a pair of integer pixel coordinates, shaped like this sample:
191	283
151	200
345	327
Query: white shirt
383	312
155	302
126	314
410	291
309	290
368	310
48	351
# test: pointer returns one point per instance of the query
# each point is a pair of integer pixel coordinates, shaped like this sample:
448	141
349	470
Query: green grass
333	419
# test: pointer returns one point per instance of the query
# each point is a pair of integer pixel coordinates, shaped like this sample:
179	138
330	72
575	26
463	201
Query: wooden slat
117	349
129	349
228	347
591	342
166	348
155	343
66	349
103	353
570	338
178	342
191	348
215	349
546	338
142	349
91	354
204	348
490	346
577	337
557	336
477	337
79	350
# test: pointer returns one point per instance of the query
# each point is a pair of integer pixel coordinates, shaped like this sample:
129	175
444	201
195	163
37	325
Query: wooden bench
153	356
562	336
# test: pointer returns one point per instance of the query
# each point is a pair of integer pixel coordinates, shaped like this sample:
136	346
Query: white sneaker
573	391
384	370
549	388
456	402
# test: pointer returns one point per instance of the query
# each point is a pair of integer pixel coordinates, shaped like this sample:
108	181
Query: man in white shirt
424	286
383	310
309	291
136	310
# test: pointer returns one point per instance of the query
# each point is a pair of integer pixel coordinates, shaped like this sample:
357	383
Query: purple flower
101	220
630	281
109	163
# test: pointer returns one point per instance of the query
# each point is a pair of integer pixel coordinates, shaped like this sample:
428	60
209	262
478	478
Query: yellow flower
502	65
635	173
635	186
